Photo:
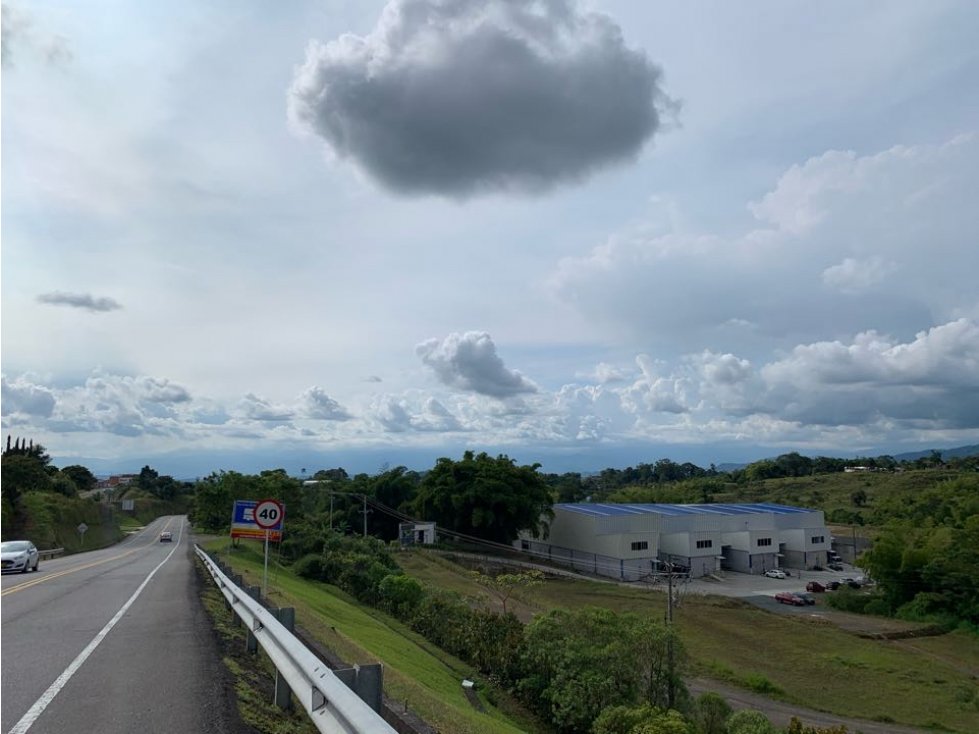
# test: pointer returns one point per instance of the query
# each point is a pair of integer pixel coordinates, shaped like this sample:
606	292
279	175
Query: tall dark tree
81	476
490	498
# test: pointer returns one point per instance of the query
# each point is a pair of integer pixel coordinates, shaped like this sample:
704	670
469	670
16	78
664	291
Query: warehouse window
764	541
705	543
816	539
640	545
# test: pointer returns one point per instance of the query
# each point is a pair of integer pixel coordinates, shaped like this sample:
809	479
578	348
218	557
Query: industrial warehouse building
632	541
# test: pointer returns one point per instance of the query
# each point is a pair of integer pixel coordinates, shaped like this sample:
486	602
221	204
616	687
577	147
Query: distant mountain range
955	453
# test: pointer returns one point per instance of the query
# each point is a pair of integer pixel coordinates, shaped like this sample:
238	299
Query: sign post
268	516
82	527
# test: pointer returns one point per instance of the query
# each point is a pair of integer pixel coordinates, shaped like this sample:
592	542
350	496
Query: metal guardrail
331	705
50	553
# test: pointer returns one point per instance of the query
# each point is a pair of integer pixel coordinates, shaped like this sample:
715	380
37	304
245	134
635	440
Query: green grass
254	675
414	670
797	659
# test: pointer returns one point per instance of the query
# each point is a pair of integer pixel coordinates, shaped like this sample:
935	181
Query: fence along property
330	704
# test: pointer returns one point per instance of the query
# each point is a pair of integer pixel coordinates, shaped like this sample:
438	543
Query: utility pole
670	690
365	515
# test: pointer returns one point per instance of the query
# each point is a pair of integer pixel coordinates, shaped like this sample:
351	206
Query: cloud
317	404
79	300
469	362
26	398
853	276
467	96
255	408
17	32
843	244
163	391
933	379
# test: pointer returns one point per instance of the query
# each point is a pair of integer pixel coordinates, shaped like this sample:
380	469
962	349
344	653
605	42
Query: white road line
28	719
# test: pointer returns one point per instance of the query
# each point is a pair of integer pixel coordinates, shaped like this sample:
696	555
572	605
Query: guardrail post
251	642
283	696
366	681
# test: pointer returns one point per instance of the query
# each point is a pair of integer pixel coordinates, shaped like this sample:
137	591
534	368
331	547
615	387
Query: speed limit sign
268	514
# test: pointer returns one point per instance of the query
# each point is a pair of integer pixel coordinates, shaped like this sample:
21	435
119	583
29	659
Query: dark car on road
806	597
815	586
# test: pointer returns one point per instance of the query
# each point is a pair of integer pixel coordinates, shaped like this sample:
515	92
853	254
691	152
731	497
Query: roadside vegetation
567	656
47	505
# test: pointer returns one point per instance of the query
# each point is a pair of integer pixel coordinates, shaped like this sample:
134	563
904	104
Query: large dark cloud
469	362
80	300
456	97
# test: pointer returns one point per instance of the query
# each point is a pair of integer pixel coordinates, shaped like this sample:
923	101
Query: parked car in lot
806	597
832	585
18	556
787	597
835	566
852	583
166	537
815	586
775	573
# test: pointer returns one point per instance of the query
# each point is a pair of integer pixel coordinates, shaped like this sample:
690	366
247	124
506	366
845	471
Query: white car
775	573
18	555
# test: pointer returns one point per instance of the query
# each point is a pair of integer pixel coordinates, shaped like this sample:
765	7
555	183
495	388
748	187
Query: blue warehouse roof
615	510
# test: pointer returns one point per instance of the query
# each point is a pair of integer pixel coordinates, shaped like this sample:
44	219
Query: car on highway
18	556
166	537
774	573
787	597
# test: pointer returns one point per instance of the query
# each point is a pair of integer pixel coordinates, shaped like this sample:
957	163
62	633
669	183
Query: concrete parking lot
748	585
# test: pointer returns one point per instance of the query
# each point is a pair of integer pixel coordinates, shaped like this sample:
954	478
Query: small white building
630	541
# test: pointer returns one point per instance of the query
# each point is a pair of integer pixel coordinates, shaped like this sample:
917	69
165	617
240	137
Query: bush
309	566
749	722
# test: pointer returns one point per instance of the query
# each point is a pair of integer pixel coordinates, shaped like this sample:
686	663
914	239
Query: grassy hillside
414	670
798	659
51	521
831	492
801	660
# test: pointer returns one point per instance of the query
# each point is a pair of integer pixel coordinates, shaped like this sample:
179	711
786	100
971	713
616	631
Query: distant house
116	480
852	469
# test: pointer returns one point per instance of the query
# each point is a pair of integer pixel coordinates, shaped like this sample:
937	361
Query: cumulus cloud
933	379
456	97
853	276
24	397
469	362
163	391
605	373
317	404
844	244
255	408
80	300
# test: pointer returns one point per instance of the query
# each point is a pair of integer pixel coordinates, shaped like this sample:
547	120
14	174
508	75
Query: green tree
81	476
505	585
747	721
578	663
490	498
711	711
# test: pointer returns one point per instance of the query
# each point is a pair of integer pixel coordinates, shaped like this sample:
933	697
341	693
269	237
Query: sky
240	235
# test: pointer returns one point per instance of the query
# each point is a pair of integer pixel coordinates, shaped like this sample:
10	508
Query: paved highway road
113	640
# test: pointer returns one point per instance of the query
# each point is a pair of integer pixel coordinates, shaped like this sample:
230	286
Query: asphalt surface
114	640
